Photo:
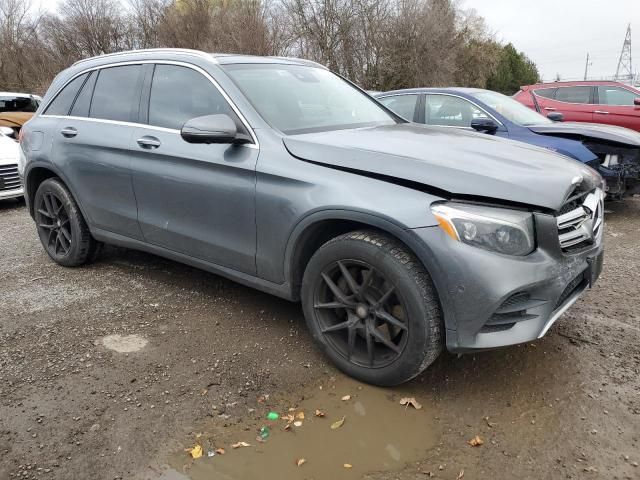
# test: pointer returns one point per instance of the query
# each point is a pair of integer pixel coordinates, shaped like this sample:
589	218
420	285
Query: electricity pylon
625	69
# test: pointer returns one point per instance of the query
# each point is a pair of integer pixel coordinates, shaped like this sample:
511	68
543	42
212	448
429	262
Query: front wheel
372	308
63	232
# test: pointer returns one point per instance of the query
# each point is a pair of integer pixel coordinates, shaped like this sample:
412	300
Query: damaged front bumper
492	300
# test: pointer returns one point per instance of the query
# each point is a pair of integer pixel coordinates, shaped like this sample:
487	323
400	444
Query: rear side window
63	101
573	94
449	111
115	96
615	96
83	100
403	105
546	92
179	94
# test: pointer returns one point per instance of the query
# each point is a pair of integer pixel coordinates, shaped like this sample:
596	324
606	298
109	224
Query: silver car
398	239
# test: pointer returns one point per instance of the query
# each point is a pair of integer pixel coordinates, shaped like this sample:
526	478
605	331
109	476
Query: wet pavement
113	370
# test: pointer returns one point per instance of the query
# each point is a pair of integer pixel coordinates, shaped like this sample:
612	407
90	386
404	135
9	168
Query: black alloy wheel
54	225
371	306
361	313
62	229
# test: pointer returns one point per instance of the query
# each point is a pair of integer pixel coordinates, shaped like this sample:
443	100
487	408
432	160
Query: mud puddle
378	434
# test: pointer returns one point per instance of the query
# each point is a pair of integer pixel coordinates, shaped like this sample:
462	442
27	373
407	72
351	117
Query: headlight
496	229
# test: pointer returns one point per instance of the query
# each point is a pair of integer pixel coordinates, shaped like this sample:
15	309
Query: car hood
609	133
458	162
14	119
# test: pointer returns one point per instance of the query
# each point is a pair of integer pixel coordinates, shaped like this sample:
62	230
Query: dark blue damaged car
613	151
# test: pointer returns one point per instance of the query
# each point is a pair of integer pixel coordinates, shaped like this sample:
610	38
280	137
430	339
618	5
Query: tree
514	70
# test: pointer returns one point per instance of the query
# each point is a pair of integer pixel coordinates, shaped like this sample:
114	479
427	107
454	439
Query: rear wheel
372	308
63	232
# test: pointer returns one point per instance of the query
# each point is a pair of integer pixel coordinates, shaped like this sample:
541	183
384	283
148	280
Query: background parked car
613	151
610	103
10	185
16	109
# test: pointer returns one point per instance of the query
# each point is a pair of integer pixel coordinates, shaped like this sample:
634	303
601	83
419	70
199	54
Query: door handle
601	112
69	132
551	109
148	142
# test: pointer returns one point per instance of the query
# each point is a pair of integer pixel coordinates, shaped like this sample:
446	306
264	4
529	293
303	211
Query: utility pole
586	66
625	69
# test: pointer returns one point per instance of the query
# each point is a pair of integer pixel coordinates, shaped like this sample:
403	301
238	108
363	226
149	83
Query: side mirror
486	125
7	131
555	116
212	129
636	101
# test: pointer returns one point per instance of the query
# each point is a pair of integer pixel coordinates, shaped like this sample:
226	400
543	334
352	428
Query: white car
10	184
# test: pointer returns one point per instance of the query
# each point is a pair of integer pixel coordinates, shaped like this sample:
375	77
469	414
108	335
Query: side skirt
280	290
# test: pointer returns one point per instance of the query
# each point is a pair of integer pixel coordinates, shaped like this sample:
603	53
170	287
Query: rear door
574	102
615	106
195	199
91	144
404	104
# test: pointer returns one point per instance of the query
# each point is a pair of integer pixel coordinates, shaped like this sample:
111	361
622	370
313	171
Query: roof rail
184	51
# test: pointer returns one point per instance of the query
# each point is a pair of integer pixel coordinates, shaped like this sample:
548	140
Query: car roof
219	58
16	94
464	90
576	83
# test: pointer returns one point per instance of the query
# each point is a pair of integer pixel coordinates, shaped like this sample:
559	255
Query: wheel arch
35	174
320	227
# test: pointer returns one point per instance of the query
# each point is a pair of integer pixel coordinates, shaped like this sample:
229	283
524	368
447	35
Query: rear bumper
491	300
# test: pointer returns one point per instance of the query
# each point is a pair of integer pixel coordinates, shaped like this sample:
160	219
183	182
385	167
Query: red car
611	103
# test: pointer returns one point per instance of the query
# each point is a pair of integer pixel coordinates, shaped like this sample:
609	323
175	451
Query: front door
194	199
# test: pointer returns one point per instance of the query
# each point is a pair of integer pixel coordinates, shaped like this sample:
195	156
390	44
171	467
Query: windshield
300	99
12	103
511	109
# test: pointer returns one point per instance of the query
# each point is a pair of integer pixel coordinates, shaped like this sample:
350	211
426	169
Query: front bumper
492	300
15	193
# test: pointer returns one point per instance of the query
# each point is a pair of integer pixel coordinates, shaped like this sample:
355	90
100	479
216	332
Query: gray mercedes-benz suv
398	239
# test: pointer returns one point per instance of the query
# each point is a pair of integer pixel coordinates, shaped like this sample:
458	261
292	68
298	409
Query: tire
62	229
392	309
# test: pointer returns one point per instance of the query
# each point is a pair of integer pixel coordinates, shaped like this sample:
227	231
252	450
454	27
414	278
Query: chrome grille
10	178
582	226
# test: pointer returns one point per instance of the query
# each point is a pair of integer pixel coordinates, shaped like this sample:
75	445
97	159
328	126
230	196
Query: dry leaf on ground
220	451
345	398
319	413
410	401
489	423
338	424
300	415
297	423
460	475
300	461
476	441
347	465
195	452
240	444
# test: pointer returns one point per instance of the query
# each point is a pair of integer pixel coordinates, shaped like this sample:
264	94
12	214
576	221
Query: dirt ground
71	407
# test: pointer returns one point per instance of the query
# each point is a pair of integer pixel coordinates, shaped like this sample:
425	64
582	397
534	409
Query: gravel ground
567	406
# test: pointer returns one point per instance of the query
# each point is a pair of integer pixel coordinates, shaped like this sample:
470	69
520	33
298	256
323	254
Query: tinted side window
546	92
63	101
83	100
615	96
179	94
115	96
573	94
403	105
450	111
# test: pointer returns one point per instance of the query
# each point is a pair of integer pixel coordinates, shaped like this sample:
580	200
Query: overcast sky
557	34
